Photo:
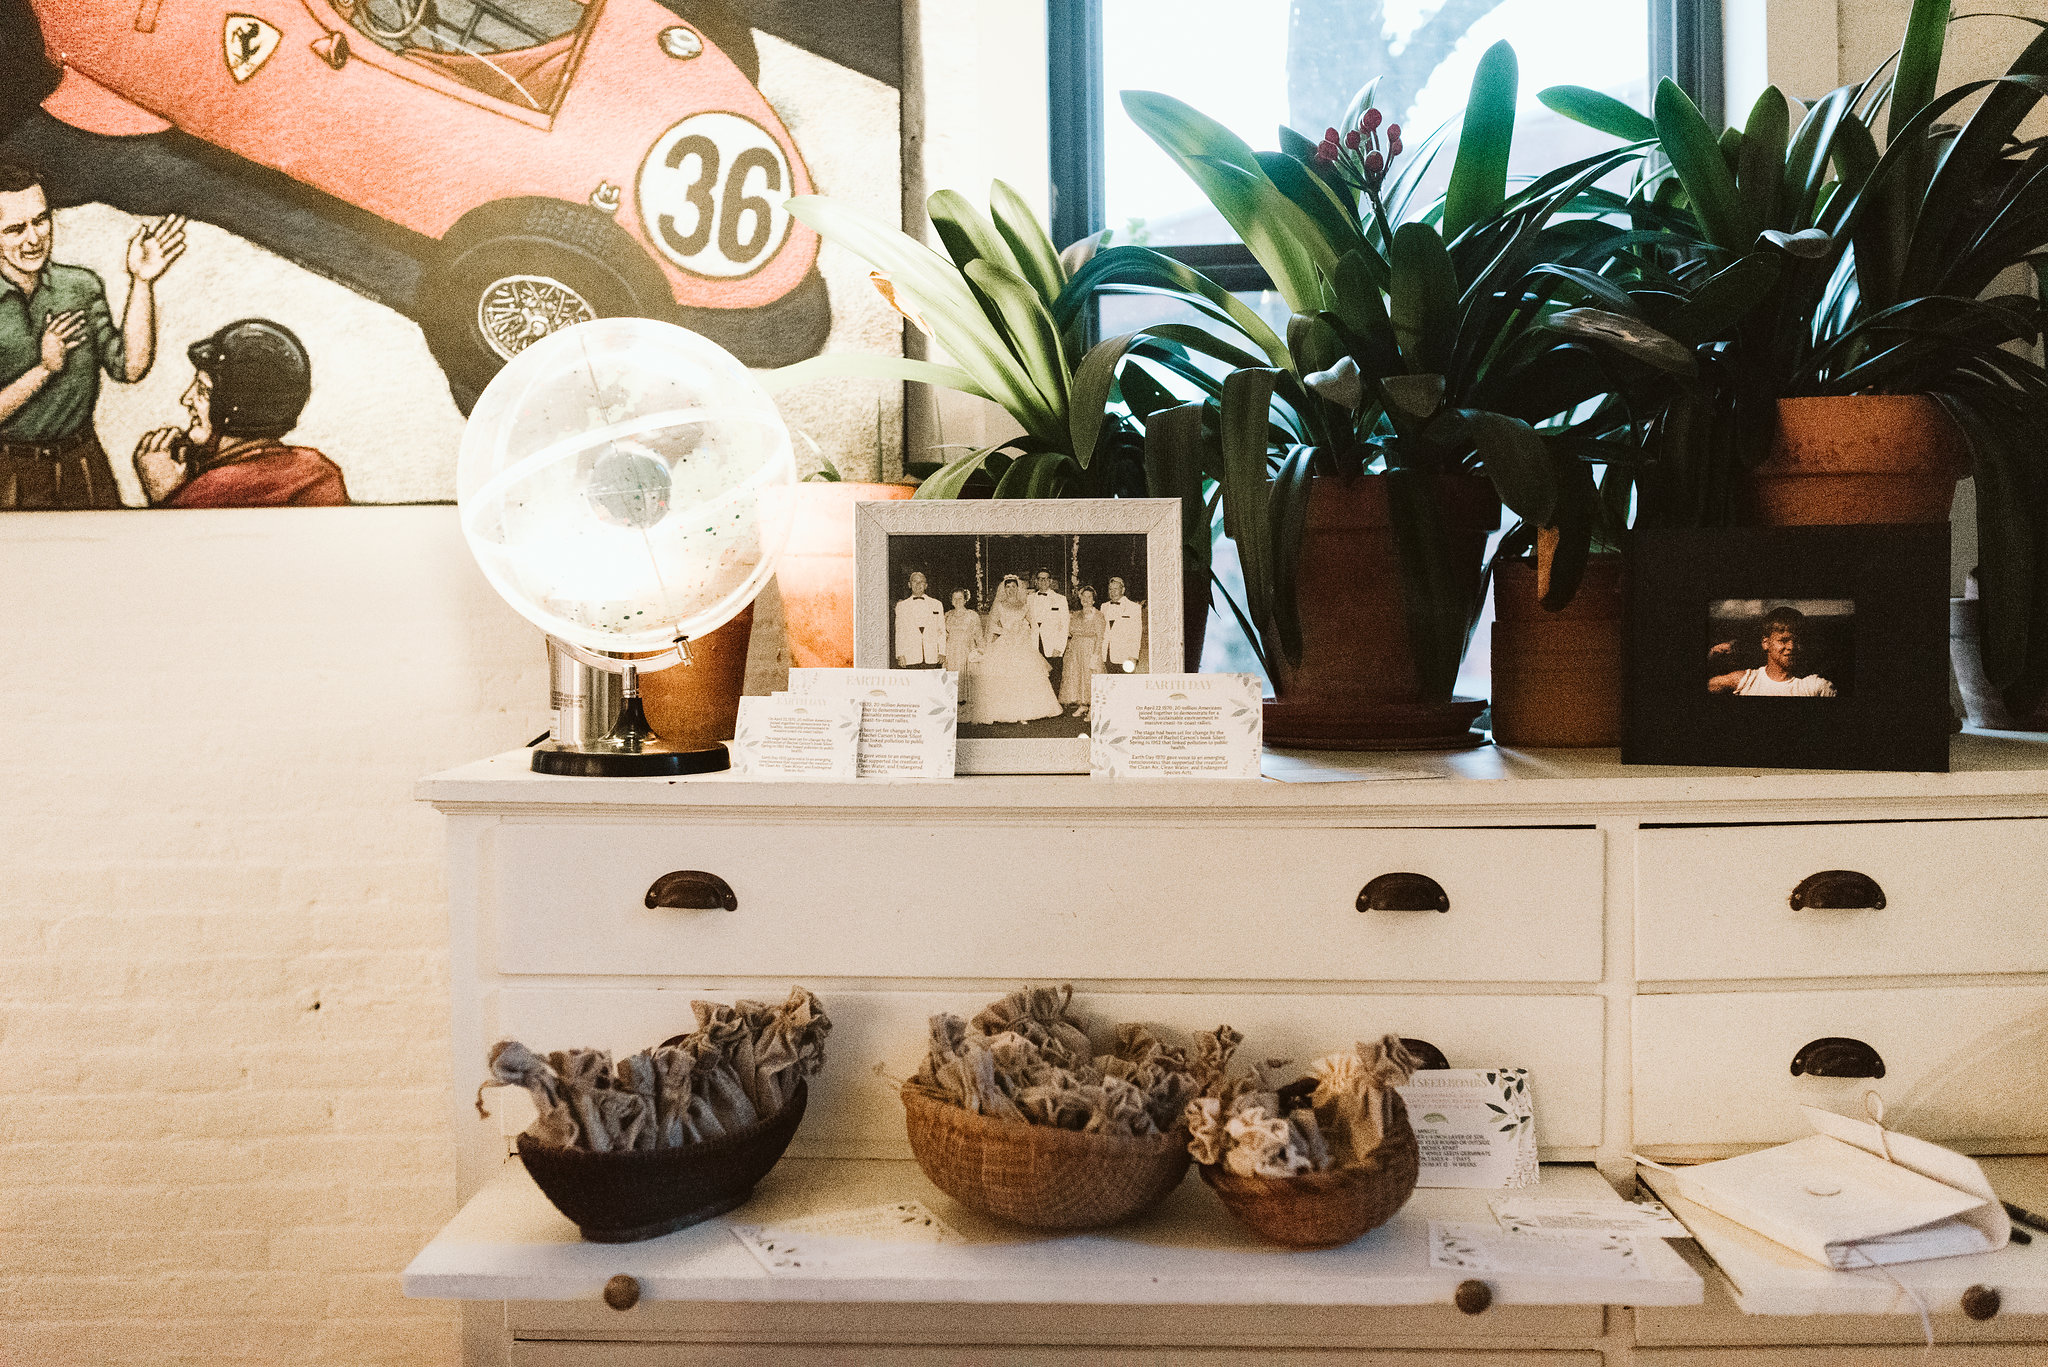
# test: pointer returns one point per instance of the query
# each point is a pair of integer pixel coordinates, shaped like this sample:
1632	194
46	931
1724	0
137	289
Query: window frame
1685	45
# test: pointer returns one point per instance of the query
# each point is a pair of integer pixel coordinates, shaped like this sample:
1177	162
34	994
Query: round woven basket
621	1198
1325	1209
1040	1176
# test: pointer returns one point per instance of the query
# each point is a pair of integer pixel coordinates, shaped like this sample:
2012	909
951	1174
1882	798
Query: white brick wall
223	944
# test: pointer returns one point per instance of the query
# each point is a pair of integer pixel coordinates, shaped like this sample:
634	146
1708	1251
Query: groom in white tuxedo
1048	609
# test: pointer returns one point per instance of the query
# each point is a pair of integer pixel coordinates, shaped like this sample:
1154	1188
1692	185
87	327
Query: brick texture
224	1095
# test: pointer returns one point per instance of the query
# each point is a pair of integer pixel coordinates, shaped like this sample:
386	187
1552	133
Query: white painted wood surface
878	1039
1770	1279
1960	897
896	899
1964	1066
510	1244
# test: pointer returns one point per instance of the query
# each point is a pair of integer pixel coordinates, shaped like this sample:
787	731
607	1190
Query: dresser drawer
878	1039
1017	901
1965	1066
1958	897
526	1353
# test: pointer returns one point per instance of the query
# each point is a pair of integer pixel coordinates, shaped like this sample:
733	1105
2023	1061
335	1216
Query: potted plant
1847	366
1011	315
1359	475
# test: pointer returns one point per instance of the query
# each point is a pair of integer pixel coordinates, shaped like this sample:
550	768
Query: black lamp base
650	758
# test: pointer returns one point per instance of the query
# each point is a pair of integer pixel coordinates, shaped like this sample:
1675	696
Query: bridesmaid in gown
1083	660
963	640
1013	681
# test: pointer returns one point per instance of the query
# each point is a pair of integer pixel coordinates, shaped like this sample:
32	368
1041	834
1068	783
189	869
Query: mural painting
267	252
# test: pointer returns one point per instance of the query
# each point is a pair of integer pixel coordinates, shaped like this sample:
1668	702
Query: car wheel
511	274
781	332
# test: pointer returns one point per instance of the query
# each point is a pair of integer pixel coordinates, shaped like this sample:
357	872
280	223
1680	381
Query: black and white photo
1027	601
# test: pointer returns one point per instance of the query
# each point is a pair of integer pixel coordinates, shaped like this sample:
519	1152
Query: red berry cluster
1356	155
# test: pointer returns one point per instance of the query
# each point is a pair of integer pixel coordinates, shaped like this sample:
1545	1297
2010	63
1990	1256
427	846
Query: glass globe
624	483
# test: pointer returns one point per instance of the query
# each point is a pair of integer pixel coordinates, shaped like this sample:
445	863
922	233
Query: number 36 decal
711	193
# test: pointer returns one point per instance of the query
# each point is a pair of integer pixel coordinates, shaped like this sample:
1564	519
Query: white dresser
1657	946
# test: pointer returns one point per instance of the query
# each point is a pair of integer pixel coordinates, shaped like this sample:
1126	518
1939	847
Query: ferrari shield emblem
247	43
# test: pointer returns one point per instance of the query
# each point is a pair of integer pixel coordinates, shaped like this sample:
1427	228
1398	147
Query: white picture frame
1140	537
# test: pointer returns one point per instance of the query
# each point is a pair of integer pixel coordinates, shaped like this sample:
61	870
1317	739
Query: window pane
1255	64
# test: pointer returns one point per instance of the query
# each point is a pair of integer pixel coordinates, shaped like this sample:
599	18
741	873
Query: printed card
909	718
1175	726
873	1239
1477	1247
1530	1214
1476	1126
796	736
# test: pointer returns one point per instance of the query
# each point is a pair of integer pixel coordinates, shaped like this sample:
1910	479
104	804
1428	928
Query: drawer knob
1980	1302
622	1292
1427	1055
1837	1057
1472	1297
692	890
1403	892
1838	890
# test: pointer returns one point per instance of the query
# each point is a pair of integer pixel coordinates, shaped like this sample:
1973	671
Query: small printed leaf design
1497	1110
1436	1118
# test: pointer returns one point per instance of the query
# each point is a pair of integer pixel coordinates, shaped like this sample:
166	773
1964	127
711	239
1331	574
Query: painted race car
566	159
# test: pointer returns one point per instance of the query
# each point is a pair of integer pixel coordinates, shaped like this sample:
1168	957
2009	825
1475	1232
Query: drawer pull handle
1427	1055
1838	890
1403	892
1837	1057
1472	1297
622	1292
692	890
1980	1302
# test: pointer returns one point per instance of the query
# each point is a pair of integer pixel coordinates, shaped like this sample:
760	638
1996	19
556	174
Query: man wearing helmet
250	382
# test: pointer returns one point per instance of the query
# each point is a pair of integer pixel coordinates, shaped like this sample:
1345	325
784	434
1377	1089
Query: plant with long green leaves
1418	349
1805	261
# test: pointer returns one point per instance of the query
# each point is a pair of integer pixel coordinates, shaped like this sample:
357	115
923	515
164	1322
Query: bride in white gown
1012	680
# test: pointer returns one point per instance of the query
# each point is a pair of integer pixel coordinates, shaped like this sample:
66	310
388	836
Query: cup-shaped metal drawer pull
692	890
1838	890
1427	1055
1403	892
1837	1057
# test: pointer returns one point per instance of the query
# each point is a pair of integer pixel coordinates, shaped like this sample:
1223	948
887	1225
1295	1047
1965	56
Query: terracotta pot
1557	675
1860	458
816	571
1356	687
698	703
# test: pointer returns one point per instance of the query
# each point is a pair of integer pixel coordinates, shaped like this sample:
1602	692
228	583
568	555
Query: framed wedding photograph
1027	600
1789	648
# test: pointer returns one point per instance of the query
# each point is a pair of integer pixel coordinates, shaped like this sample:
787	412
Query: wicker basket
620	1198
1325	1209
1039	1176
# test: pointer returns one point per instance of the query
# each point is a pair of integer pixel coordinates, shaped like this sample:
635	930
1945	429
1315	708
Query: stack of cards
851	723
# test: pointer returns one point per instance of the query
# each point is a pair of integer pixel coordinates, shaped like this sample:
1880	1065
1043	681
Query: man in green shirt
56	336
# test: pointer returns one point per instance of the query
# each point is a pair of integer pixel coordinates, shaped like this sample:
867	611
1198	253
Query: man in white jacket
1048	609
920	628
1123	630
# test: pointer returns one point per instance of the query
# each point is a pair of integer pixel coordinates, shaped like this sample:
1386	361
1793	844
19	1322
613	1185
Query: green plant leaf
1724	299
1630	336
1242	425
1695	155
1479	176
965	233
1173	469
1806	160
951	479
1130	266
1038	474
1919	64
1597	110
1423	299
1036	260
1033	338
1517	462
1288	511
1418	396
1760	173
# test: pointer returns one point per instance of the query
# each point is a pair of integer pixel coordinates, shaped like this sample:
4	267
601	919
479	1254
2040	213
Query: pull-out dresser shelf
1680	957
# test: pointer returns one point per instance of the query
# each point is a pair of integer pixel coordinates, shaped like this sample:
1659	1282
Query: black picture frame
1893	710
